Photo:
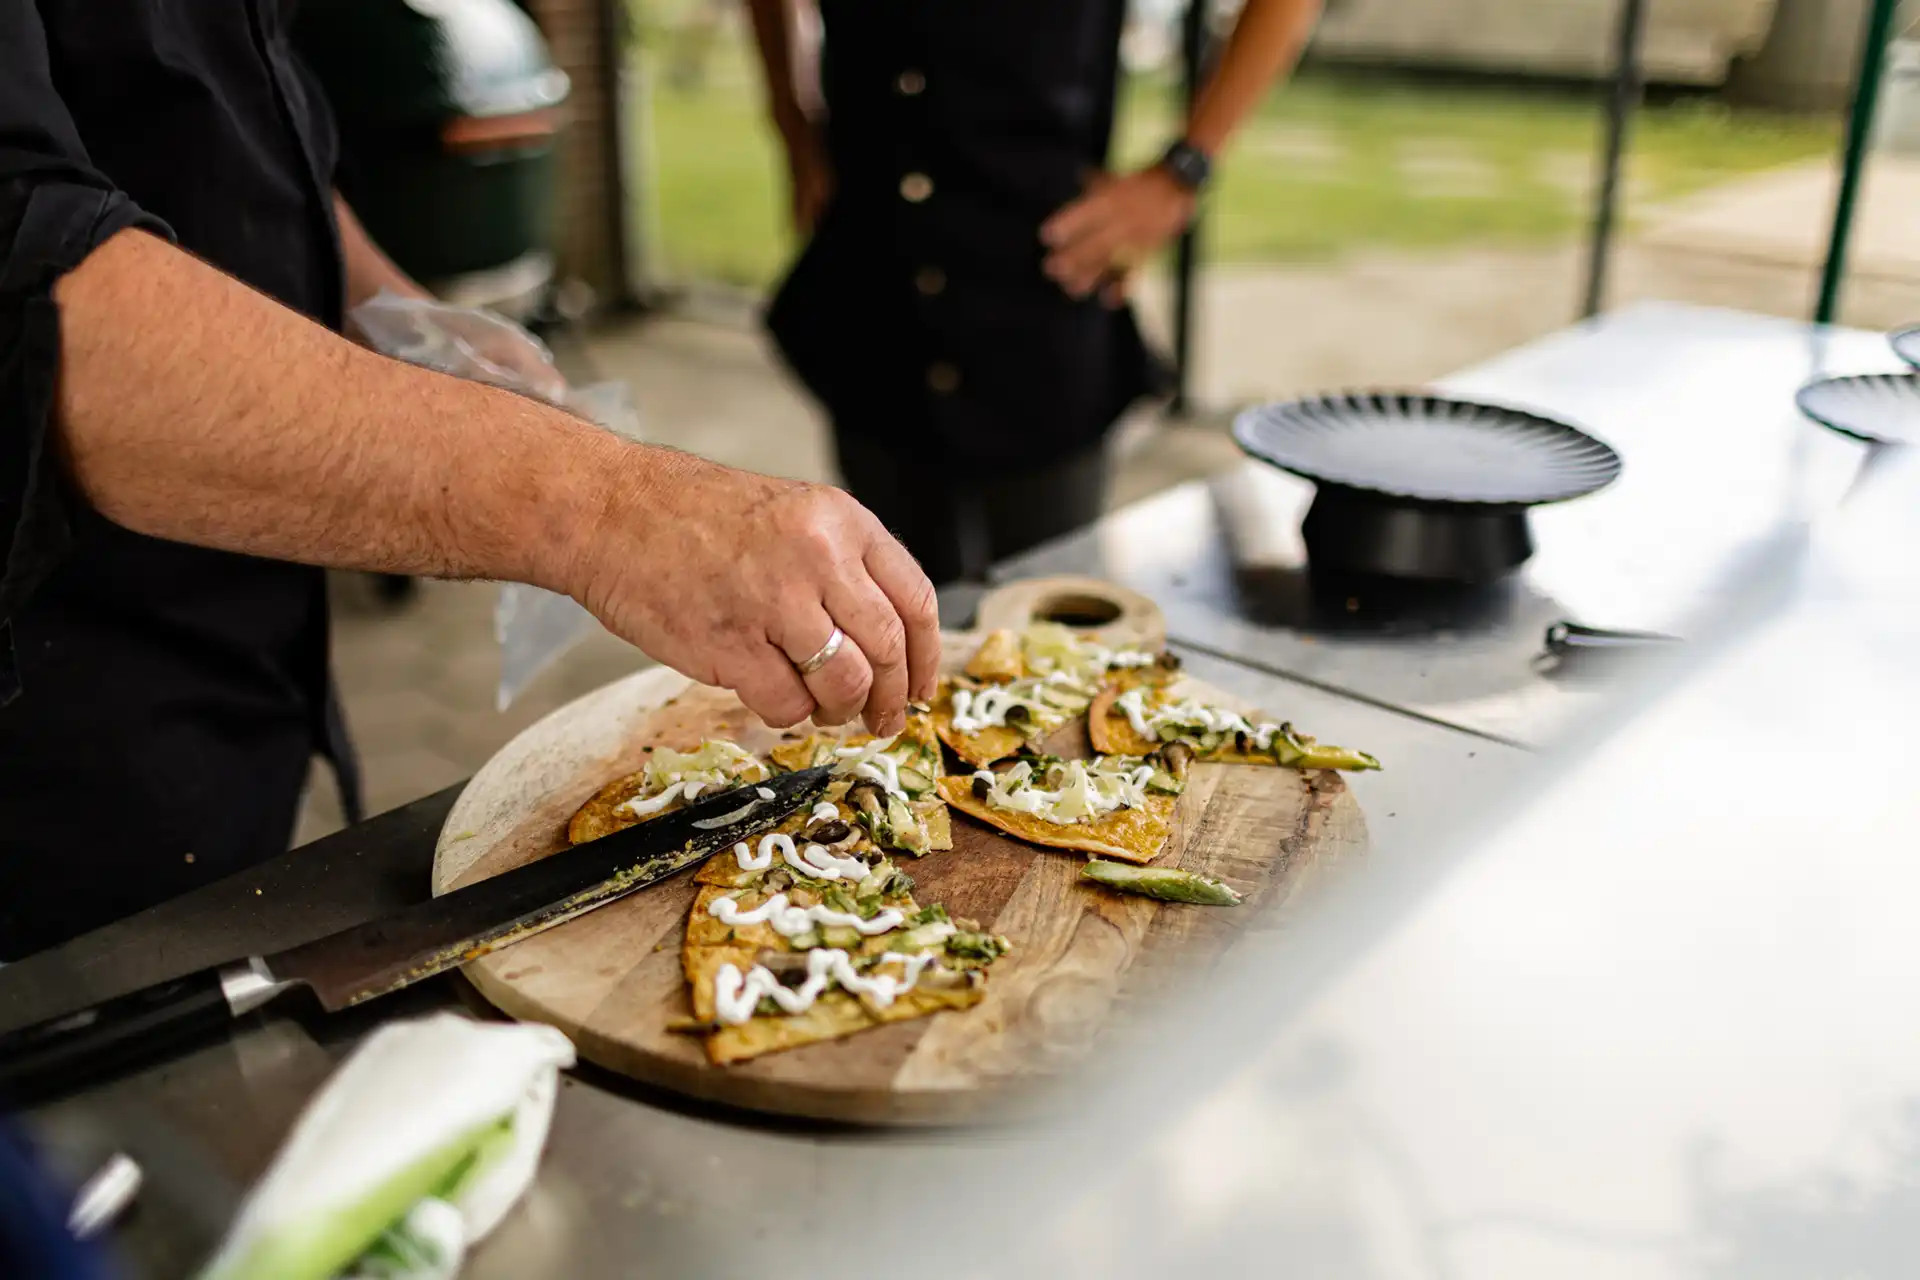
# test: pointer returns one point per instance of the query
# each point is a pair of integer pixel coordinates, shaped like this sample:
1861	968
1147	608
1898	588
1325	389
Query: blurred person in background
186	440
960	306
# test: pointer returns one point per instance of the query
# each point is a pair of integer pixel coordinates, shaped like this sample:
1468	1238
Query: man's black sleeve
54	209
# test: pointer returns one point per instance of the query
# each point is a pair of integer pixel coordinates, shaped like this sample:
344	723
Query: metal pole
1866	97
1628	86
1193	60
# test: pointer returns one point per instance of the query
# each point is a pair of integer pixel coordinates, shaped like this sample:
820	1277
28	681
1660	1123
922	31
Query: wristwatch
1188	165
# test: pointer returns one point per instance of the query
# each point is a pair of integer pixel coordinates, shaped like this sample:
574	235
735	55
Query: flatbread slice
714	766
818	748
833	1016
1137	834
1112	732
998	659
912	819
1042	648
955	980
979	748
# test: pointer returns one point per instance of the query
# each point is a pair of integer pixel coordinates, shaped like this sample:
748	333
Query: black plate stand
1348	531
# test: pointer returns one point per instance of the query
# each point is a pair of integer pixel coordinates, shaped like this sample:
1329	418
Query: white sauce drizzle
643	808
1082	796
1188	714
821	863
974	710
825	811
737	995
765	793
792	922
814	860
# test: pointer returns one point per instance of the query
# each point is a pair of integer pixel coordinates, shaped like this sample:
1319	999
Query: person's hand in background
522	358
1096	242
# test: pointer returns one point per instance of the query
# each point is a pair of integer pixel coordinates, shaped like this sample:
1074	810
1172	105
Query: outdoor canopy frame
1625	93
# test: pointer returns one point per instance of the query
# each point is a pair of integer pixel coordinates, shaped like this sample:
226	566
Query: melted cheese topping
675	775
1051	647
1080	794
737	995
1190	714
881	761
792	922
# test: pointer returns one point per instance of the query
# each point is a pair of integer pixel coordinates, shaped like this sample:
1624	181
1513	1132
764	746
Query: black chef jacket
919	311
159	703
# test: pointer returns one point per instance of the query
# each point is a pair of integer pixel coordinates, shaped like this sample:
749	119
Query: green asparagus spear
1298	752
1169	884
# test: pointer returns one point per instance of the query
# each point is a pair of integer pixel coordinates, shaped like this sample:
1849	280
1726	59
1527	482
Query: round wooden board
612	980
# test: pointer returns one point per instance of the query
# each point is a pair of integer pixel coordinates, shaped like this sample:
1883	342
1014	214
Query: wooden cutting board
612	979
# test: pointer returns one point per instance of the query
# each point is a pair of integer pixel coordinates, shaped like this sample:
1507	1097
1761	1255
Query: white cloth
433	1128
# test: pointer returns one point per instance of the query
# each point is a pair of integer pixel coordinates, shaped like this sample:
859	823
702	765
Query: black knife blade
381	956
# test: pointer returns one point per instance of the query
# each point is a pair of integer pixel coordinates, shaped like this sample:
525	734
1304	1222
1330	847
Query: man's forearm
367	267
195	409
1267	40
775	38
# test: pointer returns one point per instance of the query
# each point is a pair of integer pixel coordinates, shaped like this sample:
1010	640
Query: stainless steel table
639	1184
1719	466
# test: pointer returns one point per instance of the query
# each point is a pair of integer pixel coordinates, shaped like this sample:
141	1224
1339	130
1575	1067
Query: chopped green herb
984	947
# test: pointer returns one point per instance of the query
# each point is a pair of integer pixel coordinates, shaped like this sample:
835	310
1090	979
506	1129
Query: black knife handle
40	1062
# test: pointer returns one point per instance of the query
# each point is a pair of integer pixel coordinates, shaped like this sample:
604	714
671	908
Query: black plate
1428	449
1906	345
1880	408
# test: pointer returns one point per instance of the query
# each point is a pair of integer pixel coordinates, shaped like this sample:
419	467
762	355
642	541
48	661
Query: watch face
1188	165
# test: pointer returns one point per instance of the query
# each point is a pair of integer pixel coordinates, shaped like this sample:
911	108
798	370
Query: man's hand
733	578
1101	237
809	176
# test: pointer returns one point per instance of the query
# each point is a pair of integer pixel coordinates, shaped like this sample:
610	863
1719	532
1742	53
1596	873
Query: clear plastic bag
534	627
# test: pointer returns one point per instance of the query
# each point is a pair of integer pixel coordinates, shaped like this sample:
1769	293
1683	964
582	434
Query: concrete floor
419	681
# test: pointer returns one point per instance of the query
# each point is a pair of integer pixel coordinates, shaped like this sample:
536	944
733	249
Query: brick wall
590	205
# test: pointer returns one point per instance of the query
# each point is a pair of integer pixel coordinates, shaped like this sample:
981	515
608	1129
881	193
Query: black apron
172	698
920	311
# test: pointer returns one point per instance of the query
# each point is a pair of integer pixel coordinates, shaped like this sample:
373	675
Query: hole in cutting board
1077	610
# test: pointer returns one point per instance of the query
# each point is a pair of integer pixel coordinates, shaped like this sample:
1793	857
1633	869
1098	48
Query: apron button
911	83
915	187
930	281
943	378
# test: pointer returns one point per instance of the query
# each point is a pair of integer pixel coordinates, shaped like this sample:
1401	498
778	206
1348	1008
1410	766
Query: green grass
1333	165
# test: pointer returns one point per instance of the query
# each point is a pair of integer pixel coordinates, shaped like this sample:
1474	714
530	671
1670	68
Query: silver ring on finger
822	658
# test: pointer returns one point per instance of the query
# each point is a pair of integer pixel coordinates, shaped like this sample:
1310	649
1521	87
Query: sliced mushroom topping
831	832
790	967
1167	660
868	798
940	978
1177	756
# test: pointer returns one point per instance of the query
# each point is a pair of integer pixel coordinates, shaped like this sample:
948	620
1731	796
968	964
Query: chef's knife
369	960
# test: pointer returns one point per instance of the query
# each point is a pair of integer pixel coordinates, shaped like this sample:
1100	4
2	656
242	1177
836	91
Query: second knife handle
44	1060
